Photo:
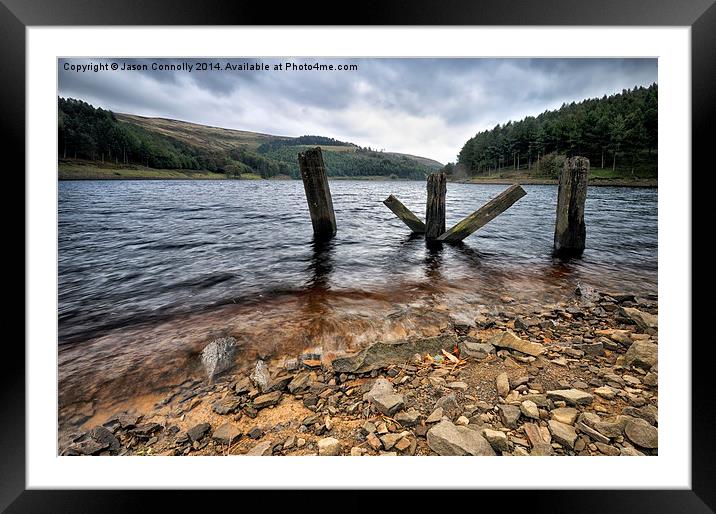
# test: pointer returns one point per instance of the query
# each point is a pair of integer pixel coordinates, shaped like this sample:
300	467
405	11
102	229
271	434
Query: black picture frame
700	15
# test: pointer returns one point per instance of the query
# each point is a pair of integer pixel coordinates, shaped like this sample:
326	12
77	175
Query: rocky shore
578	377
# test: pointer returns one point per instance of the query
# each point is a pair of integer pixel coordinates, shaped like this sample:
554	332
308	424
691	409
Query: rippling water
150	271
138	251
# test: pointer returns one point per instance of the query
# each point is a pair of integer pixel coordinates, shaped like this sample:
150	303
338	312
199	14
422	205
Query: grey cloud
421	106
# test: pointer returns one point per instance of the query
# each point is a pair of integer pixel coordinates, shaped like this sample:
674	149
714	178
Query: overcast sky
426	107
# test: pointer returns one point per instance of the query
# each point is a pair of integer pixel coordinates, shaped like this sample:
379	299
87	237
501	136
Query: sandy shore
577	377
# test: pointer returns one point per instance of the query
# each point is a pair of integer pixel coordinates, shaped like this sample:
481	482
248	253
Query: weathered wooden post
318	194
569	230
406	215
483	215
435	207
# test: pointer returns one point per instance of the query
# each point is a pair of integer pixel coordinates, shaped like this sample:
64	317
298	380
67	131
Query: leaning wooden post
435	207
483	215
569	230
405	214
318	194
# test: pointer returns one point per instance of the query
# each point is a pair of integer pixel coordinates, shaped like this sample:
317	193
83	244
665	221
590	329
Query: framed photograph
446	234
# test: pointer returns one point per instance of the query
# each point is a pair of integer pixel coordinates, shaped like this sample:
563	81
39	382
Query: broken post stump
318	194
406	215
570	231
483	215
435	207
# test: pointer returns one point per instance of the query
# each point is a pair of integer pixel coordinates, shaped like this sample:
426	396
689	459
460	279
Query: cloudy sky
426	107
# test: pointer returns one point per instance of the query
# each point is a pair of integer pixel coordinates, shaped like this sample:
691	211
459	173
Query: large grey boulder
218	356
445	438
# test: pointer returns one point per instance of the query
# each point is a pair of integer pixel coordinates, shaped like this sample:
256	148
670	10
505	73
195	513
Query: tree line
617	132
86	132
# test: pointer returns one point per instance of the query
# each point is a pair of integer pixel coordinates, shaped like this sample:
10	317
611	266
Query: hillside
96	142
618	134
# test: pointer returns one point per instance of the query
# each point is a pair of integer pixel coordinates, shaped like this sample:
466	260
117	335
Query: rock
227	433
591	348
368	428
606	392
329	446
529	409
88	447
540	447
509	340
256	433
380	387
502	383
571	396
621	337
291	364
389	440
606	449
436	416
146	430
539	399
651	379
106	438
448	439
451	408
218	356
357	452
290	442
630	452
641	433
458	386
382	354
388	404
299	383
408	418
226	405
566	415
266	400
648	413
262	449
260	376
509	414
279	383
462	421
593	434
642	319
243	386
498	440
374	441
563	434
476	350
642	355
197	432
613	427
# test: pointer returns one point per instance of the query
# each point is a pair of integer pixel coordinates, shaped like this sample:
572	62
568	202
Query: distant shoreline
553	182
95	171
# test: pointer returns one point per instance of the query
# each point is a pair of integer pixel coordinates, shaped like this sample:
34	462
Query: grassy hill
96	143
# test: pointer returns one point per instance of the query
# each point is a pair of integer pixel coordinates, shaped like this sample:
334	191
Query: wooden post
483	215
405	214
318	194
435	208
569	230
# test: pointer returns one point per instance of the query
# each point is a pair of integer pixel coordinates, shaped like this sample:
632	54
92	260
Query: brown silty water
129	368
151	272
